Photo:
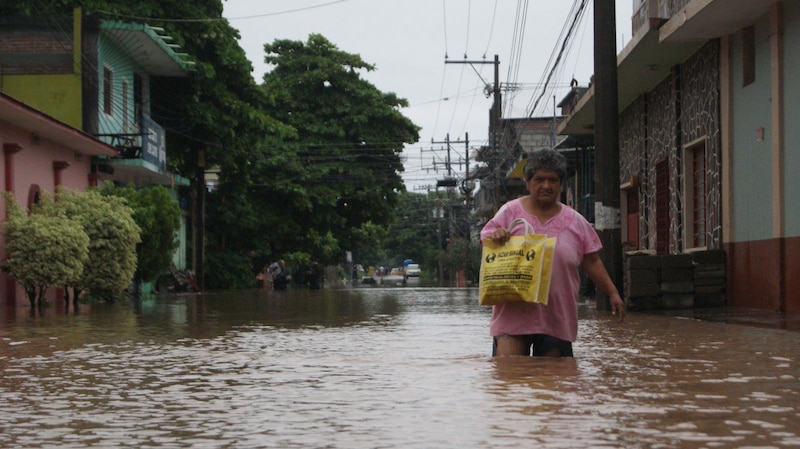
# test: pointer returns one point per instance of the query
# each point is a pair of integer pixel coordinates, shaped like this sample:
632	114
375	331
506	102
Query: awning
154	52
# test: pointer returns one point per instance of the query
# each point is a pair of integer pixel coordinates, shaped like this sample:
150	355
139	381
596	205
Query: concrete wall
57	95
33	170
38	66
763	244
791	74
752	175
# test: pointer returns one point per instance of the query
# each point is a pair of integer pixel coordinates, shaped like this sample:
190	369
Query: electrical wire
491	29
564	46
219	19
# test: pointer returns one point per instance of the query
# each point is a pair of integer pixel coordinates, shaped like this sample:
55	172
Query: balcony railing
655	9
148	145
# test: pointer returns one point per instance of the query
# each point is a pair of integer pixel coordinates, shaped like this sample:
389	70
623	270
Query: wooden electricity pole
606	140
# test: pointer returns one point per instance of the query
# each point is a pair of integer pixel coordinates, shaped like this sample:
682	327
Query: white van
412	270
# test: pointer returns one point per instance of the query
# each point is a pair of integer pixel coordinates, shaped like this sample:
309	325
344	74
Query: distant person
262	278
315	276
524	328
273	270
282	277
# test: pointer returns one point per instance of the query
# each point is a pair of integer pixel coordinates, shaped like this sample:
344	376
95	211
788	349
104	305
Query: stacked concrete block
676	281
709	278
642	287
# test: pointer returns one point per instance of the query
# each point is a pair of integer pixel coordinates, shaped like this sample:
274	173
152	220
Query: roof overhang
641	66
27	118
148	48
701	20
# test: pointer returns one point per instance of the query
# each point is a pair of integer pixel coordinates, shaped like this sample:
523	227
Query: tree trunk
31	294
76	294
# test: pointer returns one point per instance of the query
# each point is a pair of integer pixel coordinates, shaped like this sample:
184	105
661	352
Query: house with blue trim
96	75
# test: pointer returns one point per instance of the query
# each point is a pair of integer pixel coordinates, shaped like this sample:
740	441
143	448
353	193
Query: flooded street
383	368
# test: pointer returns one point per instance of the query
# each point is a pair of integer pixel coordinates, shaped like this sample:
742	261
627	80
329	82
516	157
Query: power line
564	46
218	19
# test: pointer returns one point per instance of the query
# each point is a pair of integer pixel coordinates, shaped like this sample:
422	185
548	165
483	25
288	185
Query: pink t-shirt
575	237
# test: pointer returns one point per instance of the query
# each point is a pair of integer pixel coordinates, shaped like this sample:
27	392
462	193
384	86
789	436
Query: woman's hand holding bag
517	270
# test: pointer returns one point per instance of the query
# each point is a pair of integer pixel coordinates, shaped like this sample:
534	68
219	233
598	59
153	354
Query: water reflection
375	367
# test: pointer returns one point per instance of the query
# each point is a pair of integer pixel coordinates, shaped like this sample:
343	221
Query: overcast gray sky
409	40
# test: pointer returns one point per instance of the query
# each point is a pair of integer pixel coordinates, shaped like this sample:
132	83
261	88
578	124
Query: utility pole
495	113
446	143
198	197
606	135
449	182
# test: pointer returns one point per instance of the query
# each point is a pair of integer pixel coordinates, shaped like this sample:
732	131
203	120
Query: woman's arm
593	266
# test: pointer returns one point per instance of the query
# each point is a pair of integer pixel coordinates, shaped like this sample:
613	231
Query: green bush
159	218
113	236
43	250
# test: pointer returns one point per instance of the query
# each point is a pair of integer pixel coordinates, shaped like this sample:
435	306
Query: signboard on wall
154	146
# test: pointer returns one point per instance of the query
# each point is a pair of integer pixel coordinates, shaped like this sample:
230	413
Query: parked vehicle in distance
369	280
412	271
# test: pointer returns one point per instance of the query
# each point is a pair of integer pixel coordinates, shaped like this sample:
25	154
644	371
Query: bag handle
529	229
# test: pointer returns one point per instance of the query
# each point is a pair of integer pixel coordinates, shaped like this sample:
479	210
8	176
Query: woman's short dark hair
548	160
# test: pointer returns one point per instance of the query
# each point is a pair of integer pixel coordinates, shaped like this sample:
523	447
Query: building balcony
141	158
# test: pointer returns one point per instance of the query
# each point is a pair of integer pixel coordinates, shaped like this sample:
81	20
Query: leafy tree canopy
113	235
343	170
416	233
159	218
42	251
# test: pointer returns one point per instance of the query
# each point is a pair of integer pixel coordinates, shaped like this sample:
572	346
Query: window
108	91
694	178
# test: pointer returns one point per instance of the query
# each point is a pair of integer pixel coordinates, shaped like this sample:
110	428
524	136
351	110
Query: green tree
113	236
42	250
464	256
312	190
418	231
343	170
368	243
158	216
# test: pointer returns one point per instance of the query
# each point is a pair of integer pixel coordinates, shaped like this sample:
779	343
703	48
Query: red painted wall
764	274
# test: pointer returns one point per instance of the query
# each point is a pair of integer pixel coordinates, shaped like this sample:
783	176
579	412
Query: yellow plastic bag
547	270
518	270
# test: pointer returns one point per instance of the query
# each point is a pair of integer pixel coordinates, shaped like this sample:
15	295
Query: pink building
40	153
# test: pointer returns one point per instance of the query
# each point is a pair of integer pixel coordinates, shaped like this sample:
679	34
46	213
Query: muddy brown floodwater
382	368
